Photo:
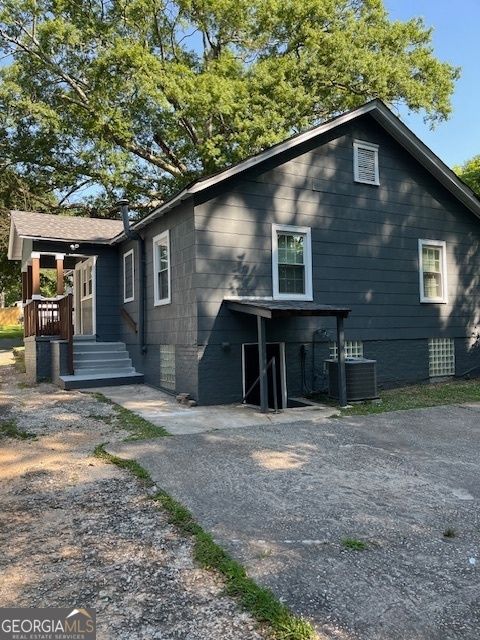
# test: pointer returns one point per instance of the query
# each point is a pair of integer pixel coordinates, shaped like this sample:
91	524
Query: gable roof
46	226
377	110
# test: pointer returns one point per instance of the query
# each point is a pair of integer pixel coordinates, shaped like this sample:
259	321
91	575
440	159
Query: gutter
134	235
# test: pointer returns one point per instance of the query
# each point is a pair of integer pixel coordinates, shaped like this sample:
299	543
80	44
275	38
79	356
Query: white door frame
283	369
79	267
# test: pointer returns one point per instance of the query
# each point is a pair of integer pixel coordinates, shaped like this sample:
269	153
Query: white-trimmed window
161	269
128	276
291	262
441	357
365	162
87	280
432	258
167	366
353	349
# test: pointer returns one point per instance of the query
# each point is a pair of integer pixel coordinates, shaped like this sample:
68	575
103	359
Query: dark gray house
354	220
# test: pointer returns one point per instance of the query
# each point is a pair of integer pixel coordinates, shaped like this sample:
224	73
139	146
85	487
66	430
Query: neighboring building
356	214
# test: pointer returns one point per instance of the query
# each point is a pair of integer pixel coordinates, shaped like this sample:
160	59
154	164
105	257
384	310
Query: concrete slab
163	410
283	499
9	343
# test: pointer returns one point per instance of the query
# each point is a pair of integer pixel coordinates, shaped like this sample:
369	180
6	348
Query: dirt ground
75	531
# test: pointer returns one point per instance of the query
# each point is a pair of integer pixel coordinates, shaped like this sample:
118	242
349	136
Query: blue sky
456	39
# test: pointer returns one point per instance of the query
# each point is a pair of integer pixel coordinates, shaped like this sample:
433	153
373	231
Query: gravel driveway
292	502
76	531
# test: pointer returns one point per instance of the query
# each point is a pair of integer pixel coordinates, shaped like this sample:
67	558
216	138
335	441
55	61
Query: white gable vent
365	162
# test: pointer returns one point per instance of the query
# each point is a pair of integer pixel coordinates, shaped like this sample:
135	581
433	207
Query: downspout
133	235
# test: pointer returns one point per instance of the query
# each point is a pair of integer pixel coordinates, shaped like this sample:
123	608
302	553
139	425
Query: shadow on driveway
282	499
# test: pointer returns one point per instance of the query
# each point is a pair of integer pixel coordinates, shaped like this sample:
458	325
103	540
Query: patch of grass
139	428
131	465
260	602
100	417
11	331
449	532
414	397
100	397
9	429
353	544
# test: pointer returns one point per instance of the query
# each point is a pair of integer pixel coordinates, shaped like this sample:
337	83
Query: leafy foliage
137	97
469	172
16	192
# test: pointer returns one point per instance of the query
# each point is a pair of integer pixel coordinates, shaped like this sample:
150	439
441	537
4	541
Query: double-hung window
291	262
433	270
161	269
128	276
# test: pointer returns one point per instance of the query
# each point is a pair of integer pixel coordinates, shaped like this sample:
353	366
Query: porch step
98	366
98	363
87	381
84	347
94	356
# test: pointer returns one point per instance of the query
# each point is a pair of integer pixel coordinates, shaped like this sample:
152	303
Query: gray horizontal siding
174	323
364	239
364	245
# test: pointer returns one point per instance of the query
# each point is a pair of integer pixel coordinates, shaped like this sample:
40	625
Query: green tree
17	192
138	97
469	172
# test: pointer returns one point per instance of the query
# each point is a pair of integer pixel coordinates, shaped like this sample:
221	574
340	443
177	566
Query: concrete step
102	365
93	356
87	381
104	372
78	338
86	347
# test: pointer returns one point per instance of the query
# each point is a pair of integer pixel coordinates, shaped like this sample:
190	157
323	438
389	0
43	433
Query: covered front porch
69	308
72	336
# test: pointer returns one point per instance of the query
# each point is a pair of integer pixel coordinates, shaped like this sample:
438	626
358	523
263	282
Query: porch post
60	278
342	381
35	275
262	364
24	286
29	282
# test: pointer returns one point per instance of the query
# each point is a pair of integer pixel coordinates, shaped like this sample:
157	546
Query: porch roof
46	226
285	308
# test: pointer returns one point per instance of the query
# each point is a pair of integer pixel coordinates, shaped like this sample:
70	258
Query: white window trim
125	256
83	271
307	256
360	144
441	244
156	240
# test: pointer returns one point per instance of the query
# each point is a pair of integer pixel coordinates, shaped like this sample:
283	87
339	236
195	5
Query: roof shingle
72	228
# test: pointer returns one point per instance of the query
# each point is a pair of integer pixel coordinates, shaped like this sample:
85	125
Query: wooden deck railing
53	318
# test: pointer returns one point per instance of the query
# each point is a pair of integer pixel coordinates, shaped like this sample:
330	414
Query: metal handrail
272	363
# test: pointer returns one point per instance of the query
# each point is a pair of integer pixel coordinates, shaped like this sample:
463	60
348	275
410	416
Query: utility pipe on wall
133	235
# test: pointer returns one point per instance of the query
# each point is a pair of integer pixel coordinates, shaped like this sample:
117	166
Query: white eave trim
382	114
426	157
201	185
11	242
